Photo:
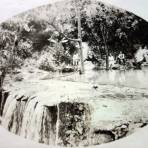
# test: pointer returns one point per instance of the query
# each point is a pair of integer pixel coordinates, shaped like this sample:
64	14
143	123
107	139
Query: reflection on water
132	78
129	78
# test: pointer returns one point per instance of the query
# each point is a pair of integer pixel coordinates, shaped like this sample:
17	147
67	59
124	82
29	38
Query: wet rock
25	99
74	124
95	87
20	98
102	136
3	98
18	77
121	131
143	125
108	135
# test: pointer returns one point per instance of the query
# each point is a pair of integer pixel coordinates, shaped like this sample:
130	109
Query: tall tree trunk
104	35
80	39
78	15
107	59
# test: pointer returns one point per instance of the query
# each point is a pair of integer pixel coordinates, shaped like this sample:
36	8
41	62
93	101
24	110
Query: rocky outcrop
100	136
74	124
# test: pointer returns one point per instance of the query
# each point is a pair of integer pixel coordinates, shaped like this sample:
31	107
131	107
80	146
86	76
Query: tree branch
76	40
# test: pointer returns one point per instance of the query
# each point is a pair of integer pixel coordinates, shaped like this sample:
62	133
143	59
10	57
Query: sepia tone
74	73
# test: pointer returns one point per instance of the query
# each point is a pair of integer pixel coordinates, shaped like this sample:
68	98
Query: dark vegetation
51	31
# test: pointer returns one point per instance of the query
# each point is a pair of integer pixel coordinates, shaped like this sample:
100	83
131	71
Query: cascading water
48	125
28	118
14	113
66	123
69	120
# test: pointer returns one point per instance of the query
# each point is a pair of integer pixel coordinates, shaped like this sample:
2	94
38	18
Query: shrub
46	65
46	61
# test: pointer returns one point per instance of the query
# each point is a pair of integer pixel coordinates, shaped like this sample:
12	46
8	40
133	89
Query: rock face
74	124
104	136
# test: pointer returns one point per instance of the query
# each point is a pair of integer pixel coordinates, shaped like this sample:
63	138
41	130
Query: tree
105	28
8	60
60	28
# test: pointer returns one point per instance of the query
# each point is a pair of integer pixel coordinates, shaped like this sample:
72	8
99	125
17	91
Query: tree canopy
103	26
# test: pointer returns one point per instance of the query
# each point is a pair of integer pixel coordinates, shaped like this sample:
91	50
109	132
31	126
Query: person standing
76	59
146	54
139	58
111	61
121	58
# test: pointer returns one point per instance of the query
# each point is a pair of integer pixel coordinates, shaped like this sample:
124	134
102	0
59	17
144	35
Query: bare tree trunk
80	42
78	14
13	54
107	60
105	45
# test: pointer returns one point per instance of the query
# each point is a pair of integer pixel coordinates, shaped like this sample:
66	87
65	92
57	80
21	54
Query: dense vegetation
50	32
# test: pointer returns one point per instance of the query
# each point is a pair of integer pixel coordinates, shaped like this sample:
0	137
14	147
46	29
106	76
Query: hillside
46	35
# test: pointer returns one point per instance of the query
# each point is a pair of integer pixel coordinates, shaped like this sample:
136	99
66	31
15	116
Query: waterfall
57	125
65	123
30	118
60	124
48	125
13	116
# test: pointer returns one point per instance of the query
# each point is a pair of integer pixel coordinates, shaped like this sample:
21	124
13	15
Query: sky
9	8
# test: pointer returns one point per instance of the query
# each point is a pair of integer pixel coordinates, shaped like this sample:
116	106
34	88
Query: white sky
8	8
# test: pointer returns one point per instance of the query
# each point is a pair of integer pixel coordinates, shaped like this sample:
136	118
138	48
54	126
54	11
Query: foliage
107	26
105	29
25	48
46	65
8	58
8	50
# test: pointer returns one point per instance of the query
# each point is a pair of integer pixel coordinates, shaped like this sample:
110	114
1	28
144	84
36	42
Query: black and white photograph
74	73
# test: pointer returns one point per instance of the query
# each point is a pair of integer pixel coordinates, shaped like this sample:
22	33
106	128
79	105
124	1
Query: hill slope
103	26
